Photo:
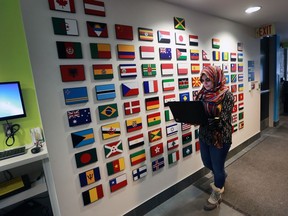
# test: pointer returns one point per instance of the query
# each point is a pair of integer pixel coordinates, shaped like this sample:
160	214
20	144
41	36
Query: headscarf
212	98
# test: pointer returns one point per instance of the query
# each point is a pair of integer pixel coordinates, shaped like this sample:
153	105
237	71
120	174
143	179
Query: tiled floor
190	201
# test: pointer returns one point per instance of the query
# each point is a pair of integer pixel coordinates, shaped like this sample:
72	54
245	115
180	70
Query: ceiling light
252	9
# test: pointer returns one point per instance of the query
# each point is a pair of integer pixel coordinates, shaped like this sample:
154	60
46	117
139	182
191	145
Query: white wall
45	64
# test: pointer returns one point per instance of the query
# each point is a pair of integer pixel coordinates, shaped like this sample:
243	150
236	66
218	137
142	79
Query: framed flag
145	34
181	54
179	23
155	135
75	95
240	87
240	57
97	29
124	32
173	157
103	71
235	98
241	96
186	138
240	67
168	98
158	164
112	149
69	50
82	138
234	118
194	54
185	96
118	182
240	77
125	51
240	46
241	125
225	67
92	195
163	36
130	89
235	108
193	40
182	68
233	78
153	119
89	177
216	55
233	67
187	150
79	117
195	68
63	26
196	81
105	92
150	86
205	56
227	78
197	145
148	70
72	73
147	52
134	124
241	106
171	129
132	107
108	111
136	141
180	38
100	51
165	53
139	173
65	6
110	130
115	166
183	83
152	103
86	157
225	56
233	88
168	115
206	65
172	143
215	43
137	157
241	115
234	127
167	69
94	7
233	56
156	150
168	84
128	70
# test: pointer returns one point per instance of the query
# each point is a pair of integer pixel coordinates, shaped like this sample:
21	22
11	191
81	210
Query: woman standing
215	137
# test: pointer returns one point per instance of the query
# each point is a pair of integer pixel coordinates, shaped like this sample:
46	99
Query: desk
36	188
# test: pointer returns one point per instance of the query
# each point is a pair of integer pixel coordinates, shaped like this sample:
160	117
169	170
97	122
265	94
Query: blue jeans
214	159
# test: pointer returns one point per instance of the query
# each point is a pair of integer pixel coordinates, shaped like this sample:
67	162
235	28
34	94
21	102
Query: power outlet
7	129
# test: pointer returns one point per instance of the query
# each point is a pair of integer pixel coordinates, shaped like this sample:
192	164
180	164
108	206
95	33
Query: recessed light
252	9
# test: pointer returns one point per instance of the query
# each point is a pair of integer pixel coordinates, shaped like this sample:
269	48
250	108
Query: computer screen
11	101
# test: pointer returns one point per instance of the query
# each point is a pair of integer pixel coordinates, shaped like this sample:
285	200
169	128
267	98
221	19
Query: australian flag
79	117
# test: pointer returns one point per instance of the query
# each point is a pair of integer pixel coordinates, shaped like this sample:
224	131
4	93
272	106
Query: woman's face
207	83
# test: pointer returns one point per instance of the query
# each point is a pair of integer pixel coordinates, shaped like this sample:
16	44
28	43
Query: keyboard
12	152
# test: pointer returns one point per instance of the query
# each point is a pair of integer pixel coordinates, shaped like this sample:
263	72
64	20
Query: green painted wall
15	66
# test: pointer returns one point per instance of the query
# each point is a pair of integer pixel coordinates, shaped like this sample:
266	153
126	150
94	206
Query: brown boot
215	198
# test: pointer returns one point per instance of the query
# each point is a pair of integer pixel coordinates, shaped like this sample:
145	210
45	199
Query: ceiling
272	12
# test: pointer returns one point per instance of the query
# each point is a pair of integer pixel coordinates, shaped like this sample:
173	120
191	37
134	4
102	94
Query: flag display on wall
75	95
134	124
168	98
112	149
172	143
66	6
93	7
103	71
86	157
185	126
145	34
155	135
128	70
105	92
152	103
171	129
72	73
148	69
187	150
65	26
163	36
180	38
205	56
194	54
185	96
82	138
89	177
158	164
195	68
92	195
69	50
181	54
130	89
156	150
79	117
233	67
126	51
150	86
132	107
115	166
153	119
124	32
97	29
100	51
233	56
139	173
108	111
168	115
167	69
240	67
225	56
215	43
196	82
147	52
182	68
168	84
165	53
173	157
186	138
179	23
110	130
137	157
118	182
193	40
183	83
135	141
216	55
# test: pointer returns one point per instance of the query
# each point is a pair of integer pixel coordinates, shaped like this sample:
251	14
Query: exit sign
265	30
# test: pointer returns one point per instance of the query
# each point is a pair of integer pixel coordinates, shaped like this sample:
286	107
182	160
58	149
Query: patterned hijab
212	98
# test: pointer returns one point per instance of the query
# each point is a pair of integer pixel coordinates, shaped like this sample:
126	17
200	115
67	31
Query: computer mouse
35	150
